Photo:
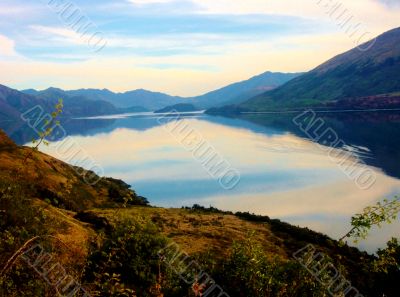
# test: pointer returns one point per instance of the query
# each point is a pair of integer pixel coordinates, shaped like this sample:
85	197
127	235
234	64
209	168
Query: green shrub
19	221
128	261
249	272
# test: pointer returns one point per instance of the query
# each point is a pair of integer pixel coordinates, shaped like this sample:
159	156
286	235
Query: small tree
49	126
384	211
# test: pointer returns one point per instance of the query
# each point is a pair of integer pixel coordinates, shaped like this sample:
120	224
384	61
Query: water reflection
283	174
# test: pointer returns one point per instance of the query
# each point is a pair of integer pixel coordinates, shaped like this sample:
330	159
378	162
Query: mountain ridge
239	91
13	103
150	100
352	74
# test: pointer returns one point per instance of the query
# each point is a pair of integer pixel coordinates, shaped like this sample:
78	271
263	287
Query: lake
277	167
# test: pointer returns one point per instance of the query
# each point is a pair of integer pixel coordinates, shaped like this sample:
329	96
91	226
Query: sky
180	47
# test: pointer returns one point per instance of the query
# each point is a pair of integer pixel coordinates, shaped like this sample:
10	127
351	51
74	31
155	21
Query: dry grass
57	178
200	232
71	237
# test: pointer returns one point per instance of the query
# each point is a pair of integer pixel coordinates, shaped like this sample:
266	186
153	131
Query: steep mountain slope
352	74
241	91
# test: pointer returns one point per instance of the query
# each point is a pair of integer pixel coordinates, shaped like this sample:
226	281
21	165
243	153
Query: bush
249	272
387	268
128	262
19	221
121	192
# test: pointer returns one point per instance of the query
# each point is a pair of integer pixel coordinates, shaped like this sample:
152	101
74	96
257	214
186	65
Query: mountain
148	100
144	99
78	105
341	82
241	91
31	92
180	107
348	76
13	103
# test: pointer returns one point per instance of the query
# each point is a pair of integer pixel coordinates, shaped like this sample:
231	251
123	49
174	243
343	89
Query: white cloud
375	15
168	41
7	47
14	10
59	34
370	13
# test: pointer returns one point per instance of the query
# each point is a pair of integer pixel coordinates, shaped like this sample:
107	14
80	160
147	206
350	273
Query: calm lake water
283	173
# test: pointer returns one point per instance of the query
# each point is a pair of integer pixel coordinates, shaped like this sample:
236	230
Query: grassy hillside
108	239
352	74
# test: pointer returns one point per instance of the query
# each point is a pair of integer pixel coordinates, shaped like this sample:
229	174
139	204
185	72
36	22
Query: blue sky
182	47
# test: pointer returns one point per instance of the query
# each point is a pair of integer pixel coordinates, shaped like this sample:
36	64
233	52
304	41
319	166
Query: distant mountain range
13	103
354	79
90	95
94	102
148	100
241	91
